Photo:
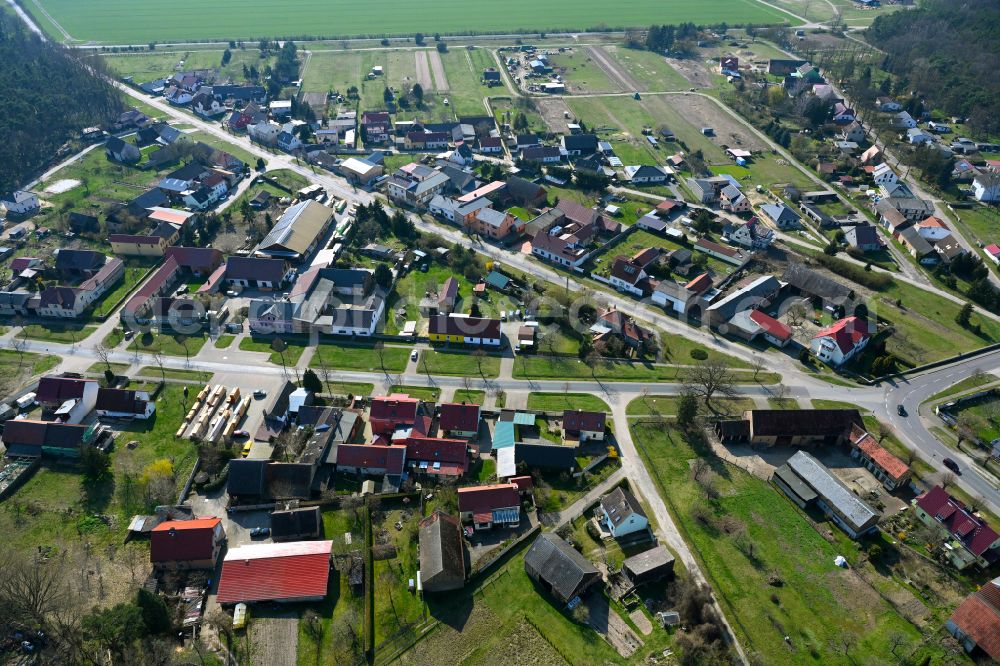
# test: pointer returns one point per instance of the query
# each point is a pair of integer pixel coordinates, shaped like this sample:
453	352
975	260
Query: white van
25	401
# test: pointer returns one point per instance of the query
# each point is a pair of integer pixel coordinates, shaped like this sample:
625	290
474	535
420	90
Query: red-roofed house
993	252
524	483
976	623
371	459
391	411
966	538
71	399
459	419
433	455
838	343
774	331
186	544
489	506
286	572
583	426
887	468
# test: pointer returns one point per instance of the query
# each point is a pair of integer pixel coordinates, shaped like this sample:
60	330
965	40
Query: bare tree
757	365
379	348
965	427
780	392
710	378
278	345
946	479
182	340
103	353
844	642
479	355
896	640
158	359
795	315
18	343
883	431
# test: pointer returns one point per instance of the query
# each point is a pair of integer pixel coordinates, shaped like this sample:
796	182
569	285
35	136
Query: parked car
413	355
260	393
246	449
952	465
260	533
241	434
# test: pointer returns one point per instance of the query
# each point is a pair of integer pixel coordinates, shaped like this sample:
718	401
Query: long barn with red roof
286	572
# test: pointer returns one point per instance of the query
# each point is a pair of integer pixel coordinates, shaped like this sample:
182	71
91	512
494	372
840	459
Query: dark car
901	410
952	465
260	533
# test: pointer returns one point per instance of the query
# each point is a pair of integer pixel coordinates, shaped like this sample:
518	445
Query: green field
124	21
554	402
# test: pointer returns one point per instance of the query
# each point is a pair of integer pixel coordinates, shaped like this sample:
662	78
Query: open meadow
124	21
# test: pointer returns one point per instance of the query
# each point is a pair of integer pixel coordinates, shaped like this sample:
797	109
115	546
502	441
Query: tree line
48	95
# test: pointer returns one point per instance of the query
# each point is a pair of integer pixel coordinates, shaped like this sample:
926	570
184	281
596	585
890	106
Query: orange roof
934	221
978	619
166	215
892	465
196	524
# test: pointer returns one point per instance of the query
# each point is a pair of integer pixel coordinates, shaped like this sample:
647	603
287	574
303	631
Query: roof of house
803	422
815	283
57	390
197	258
481	501
586	143
974	533
832	489
619	504
398	408
862	235
271	571
79	260
35	434
462	417
297	228
780	213
979	618
559	564
770	325
444	456
476	327
847	333
866	443
389	458
183	540
575	420
120	400
254	268
442	554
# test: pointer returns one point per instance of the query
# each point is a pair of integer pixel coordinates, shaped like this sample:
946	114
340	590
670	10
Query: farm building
285	572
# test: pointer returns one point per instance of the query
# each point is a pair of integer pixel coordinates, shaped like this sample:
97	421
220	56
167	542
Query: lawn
816	603
967	384
119	21
666	405
474	396
464	70
346	356
153	372
557	402
819	403
147	65
110	300
222	144
290	357
648	68
458	362
425	393
223	341
16	368
171	344
348	388
68	333
582	72
395	606
414	285
547	367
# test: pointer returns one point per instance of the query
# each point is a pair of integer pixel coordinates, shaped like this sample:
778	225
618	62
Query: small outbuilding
649	566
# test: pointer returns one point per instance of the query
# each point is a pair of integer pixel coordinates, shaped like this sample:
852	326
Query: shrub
699	354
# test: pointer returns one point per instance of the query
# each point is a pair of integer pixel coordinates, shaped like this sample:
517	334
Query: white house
884	175
288	142
646	174
20	202
903	120
70	399
986	186
266	132
124	404
841	341
916	136
620	513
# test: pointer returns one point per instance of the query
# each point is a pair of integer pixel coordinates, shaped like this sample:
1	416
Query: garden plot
727	130
615	72
553	111
693	71
423	70
440	78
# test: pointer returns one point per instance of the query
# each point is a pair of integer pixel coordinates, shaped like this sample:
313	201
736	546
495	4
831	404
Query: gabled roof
480	500
120	400
770	325
475	327
442	555
626	270
57	390
559	564
254	268
846	333
458	416
979	618
575	420
619	504
36	434
833	491
974	533
296	523
183	540
815	283
389	458
445	456
268	571
866	443
802	422
398	408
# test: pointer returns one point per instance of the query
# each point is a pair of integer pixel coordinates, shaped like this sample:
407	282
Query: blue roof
497	280
524	418
503	435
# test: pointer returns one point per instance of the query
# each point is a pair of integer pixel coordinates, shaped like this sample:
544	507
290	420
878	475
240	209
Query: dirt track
423	70
615	72
440	78
553	111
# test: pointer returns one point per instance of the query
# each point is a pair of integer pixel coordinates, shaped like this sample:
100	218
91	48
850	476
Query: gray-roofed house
122	151
296	524
844	508
297	232
442	554
783	216
790	427
864	237
559	568
807	282
757	293
621	513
